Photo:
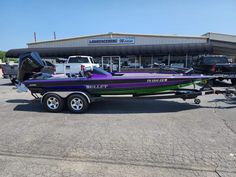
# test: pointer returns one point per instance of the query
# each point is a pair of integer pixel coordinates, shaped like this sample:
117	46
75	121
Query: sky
72	18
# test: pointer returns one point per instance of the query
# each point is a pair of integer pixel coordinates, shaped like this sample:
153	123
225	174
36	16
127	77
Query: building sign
103	41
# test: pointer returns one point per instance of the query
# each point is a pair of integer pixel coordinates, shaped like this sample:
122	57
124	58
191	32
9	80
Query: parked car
9	71
74	64
216	65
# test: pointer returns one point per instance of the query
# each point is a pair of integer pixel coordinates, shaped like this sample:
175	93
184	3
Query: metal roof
216	44
121	34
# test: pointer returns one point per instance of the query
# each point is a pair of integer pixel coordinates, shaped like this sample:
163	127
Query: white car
74	64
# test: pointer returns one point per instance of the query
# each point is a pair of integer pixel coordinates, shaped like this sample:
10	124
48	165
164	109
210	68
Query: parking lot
118	138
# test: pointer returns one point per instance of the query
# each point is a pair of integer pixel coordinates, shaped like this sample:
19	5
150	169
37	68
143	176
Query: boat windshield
97	70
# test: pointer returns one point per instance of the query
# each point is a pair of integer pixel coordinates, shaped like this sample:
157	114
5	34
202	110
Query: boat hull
109	86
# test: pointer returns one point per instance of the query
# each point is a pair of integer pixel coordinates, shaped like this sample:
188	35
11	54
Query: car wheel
53	103
77	103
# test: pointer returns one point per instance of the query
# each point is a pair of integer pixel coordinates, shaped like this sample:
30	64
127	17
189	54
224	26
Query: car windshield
214	60
78	60
97	70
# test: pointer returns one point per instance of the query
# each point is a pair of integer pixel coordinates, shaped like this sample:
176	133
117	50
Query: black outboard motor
29	64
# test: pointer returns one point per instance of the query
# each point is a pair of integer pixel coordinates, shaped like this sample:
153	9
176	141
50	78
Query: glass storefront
178	61
130	62
158	60
144	62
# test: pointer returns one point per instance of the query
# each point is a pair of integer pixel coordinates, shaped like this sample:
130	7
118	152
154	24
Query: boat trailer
184	94
83	99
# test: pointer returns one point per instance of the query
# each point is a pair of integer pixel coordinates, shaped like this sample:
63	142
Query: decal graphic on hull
156	80
96	86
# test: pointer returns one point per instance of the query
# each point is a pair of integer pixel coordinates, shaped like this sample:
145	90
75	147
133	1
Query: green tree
2	54
4	59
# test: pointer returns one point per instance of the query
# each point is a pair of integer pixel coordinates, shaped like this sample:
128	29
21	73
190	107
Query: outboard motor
29	64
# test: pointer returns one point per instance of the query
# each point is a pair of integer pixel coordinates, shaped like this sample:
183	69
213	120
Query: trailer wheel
197	101
53	102
77	103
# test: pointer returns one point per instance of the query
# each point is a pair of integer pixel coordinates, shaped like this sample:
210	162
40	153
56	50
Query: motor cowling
29	64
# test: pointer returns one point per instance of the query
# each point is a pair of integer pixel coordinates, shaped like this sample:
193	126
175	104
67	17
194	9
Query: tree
4	59
2	54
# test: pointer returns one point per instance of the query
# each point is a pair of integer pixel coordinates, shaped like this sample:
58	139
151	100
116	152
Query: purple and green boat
101	82
79	91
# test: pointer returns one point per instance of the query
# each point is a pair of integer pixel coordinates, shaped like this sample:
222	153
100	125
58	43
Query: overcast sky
71	18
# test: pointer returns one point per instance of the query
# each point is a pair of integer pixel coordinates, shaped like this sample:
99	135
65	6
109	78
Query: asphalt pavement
118	138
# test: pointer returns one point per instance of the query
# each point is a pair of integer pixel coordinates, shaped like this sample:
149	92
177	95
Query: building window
146	62
159	60
177	61
130	62
98	60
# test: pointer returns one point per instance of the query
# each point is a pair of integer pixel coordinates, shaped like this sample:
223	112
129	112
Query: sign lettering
104	41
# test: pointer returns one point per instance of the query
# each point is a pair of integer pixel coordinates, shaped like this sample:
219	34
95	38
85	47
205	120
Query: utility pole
54	35
35	37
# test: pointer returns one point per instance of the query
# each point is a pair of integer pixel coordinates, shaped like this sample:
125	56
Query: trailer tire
77	103
53	102
233	81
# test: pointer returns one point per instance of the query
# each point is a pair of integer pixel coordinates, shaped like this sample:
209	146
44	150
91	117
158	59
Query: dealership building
122	51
